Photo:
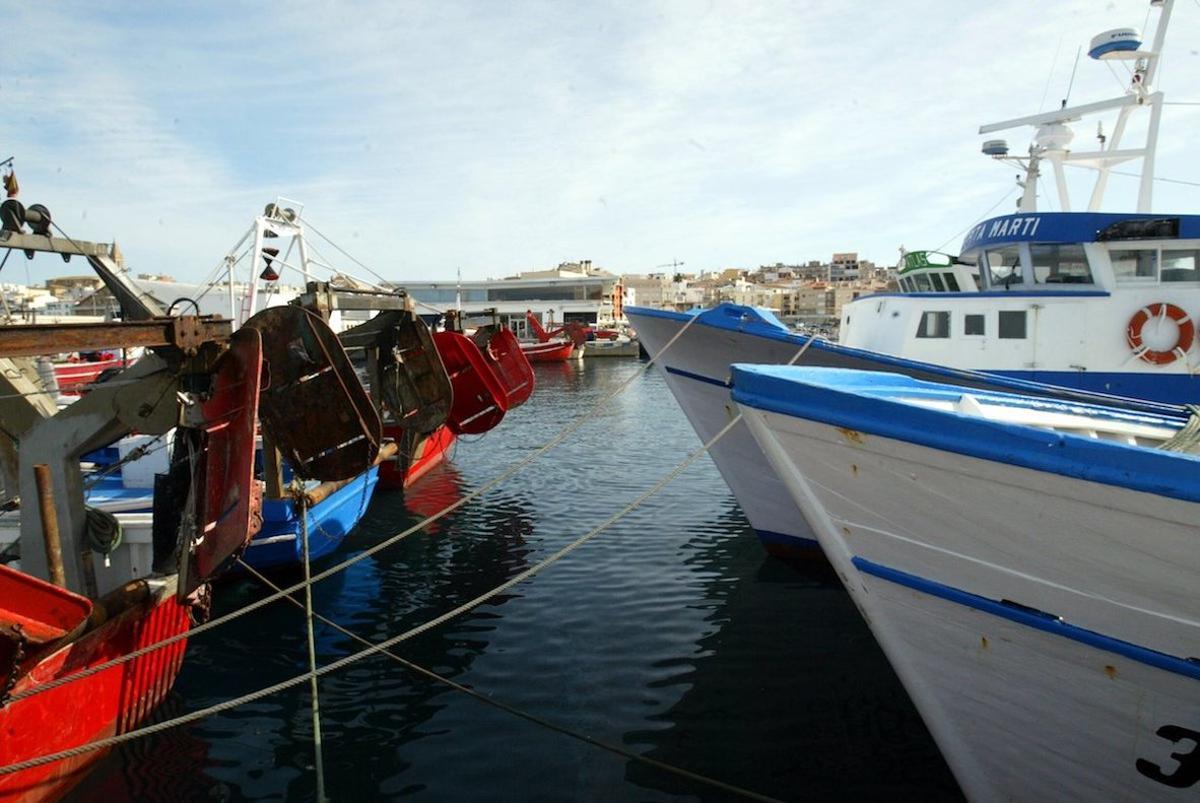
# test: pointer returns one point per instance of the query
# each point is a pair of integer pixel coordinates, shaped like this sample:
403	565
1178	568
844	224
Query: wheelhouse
1061	251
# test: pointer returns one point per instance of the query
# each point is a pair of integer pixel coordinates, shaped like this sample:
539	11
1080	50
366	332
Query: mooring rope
383	646
341	663
517	712
423	523
301	503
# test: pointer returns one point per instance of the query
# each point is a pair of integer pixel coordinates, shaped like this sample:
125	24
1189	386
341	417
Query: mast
1053	132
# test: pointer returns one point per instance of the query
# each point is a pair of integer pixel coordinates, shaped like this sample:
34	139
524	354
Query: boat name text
1005	227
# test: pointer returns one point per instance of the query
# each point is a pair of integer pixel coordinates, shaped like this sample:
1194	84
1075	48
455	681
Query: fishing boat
553	345
60	613
1070	310
1028	566
550	351
619	346
73	373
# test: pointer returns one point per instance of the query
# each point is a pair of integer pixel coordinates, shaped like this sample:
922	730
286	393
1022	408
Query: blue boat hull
278	544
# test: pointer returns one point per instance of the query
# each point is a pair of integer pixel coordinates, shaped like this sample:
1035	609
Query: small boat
550	351
330	520
619	346
1029	567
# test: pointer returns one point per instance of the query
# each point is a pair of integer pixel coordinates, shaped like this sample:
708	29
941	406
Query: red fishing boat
71	374
49	632
429	451
65	611
550	351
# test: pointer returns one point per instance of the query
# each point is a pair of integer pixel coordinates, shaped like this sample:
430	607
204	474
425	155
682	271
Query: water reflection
791	691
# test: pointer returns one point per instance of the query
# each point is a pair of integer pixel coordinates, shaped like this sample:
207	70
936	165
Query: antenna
1071	83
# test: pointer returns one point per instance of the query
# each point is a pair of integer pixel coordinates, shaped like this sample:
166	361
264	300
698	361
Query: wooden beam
186	333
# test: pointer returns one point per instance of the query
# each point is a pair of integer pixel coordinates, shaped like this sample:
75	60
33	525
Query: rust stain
983	642
852	435
854	469
846	531
1111	671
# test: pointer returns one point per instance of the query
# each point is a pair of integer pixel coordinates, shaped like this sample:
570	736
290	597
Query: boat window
1012	324
1134	264
938	285
905	286
1005	266
922	282
934	324
973	324
1060	264
951	282
1179	266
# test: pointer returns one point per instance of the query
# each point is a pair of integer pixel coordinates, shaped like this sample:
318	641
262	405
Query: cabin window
1179	266
1012	324
951	282
938	285
1134	264
1060	264
973	324
934	324
922	282
1005	266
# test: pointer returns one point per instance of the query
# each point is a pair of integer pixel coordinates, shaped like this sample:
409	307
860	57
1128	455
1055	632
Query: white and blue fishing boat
1091	301
1028	565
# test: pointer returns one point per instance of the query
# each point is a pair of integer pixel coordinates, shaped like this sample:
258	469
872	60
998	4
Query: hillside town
806	296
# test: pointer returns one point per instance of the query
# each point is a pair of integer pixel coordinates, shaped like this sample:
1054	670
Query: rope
504	476
1187	439
341	663
147	448
103	530
111	383
954	237
343	252
383	646
302	505
517	712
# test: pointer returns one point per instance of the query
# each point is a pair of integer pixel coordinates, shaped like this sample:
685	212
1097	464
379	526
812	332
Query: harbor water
671	635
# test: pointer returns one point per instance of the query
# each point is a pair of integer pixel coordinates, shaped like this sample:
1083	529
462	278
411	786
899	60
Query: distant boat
1029	566
550	351
619	346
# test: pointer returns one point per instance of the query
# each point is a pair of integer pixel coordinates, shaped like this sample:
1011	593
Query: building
571	292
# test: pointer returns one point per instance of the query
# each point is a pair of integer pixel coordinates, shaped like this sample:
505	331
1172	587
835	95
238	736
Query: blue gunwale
1188	667
859	400
759	322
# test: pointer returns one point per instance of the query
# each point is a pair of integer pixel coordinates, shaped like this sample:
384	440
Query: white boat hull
697	372
1042	624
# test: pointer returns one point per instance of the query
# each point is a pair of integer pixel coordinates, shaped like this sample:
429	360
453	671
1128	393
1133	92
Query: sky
430	137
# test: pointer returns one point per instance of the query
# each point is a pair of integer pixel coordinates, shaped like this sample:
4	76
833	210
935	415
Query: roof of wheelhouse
1079	227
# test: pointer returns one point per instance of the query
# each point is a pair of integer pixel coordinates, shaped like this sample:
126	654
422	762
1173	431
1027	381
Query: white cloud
427	136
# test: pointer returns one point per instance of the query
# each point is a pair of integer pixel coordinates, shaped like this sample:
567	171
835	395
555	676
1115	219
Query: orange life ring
1187	333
